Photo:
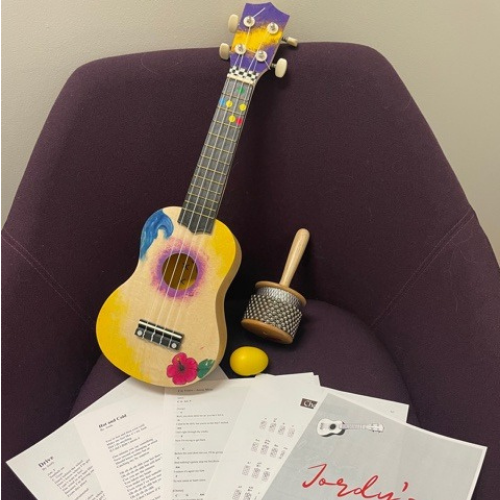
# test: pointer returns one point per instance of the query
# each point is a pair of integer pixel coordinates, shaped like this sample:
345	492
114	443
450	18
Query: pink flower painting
183	369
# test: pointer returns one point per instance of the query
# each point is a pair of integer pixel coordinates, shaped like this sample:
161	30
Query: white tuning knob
291	41
232	24
224	51
280	67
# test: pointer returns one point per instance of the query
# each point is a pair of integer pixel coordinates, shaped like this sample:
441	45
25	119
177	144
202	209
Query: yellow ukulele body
165	325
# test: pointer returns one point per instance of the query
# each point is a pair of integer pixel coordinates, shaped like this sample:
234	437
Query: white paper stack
268	437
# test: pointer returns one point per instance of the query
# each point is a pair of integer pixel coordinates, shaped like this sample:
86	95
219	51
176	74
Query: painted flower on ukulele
183	369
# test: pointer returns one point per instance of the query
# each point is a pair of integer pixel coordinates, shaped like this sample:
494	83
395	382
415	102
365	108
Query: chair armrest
443	331
48	344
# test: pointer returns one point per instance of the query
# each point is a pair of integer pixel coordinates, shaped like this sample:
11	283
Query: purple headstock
257	38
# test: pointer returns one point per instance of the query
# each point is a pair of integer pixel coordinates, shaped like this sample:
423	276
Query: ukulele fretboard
203	199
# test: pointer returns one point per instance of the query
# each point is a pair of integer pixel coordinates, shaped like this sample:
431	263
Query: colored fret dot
222	101
232	118
243	107
229	104
239	121
241	90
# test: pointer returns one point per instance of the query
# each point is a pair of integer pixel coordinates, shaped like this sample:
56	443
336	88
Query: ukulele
327	427
165	325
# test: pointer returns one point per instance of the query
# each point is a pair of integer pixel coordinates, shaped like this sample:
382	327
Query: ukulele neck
204	196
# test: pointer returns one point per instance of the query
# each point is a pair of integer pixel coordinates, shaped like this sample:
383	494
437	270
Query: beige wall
446	51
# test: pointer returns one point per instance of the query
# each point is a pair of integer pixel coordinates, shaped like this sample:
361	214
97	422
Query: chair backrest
337	146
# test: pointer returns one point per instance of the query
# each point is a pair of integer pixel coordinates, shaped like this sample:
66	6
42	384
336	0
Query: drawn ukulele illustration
165	325
327	427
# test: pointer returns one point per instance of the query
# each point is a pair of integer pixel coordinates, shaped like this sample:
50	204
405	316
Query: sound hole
179	271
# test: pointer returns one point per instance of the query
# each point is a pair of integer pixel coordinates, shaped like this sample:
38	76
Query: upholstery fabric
338	146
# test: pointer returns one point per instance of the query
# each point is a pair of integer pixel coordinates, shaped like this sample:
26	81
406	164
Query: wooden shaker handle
294	255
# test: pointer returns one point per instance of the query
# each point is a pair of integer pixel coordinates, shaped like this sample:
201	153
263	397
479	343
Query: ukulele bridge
159	335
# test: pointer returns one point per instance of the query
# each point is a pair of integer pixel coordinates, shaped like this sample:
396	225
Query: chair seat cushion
330	342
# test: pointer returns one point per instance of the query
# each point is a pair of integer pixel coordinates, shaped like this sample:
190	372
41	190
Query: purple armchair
404	288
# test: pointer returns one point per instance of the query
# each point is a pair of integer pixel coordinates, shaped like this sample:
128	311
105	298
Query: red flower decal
183	369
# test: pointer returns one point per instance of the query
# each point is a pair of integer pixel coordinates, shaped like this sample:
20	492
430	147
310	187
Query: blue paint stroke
150	231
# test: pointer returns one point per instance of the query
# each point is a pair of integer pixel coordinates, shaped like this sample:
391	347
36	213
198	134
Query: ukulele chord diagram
256	472
283	428
274	451
265	448
327	427
255	445
236	495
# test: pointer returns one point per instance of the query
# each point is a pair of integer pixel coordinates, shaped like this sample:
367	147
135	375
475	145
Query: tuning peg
291	41
280	67
232	23
224	51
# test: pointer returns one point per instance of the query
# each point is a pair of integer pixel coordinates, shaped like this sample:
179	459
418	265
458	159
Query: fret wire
213	177
233	96
218	149
213	159
197	213
234	112
203	181
211	170
220	137
204	188
232	136
200	177
194	203
237	96
227	124
225	131
214	200
226	135
223	111
190	195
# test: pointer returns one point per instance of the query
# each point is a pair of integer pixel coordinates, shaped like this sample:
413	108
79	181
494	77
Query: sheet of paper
274	415
124	442
200	418
204	415
349	451
393	409
272	418
58	467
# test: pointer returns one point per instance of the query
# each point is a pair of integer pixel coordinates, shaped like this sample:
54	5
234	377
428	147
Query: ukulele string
157	295
250	92
196	203
179	256
211	181
202	238
225	91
